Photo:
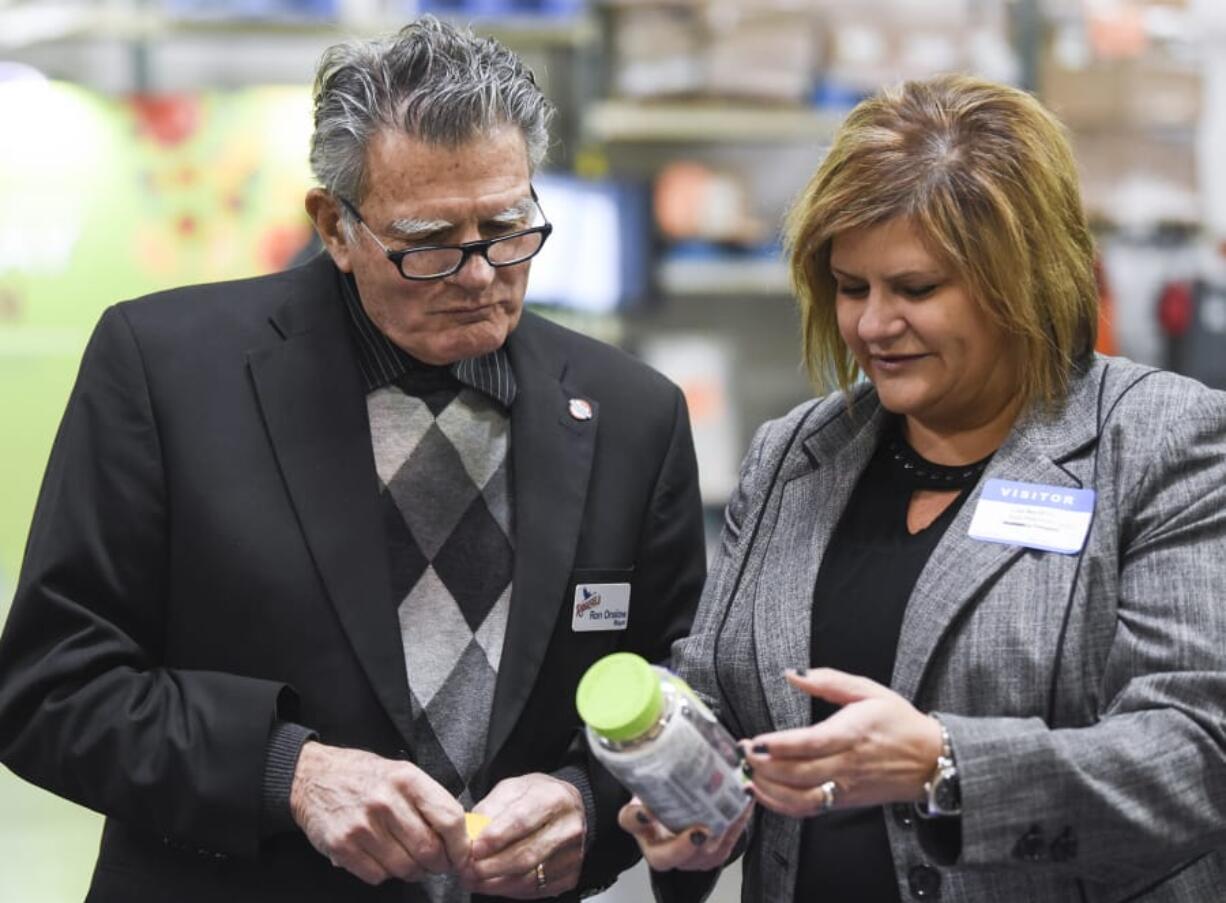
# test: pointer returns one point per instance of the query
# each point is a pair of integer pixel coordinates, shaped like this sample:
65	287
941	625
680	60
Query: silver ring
541	880
830	791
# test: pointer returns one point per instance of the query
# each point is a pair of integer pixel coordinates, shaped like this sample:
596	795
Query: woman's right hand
692	850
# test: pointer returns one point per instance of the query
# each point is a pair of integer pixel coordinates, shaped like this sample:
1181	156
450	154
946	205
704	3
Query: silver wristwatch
943	791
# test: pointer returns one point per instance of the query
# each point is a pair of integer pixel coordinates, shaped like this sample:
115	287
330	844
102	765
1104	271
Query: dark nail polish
761	749
698	838
748	788
747	769
740	752
802	672
642	818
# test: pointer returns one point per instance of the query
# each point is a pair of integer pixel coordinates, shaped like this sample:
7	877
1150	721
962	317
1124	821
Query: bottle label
682	779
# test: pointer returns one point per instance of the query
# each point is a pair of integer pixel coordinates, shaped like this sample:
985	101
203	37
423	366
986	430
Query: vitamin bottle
647	727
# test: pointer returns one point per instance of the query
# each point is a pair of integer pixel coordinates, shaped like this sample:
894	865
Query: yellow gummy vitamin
474	823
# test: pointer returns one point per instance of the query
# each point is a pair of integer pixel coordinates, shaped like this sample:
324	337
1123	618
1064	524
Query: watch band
942	791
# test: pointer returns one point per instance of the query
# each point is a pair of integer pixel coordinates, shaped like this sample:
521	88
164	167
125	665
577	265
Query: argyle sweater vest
441	452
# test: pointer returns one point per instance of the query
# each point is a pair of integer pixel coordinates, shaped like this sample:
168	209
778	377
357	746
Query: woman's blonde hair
987	176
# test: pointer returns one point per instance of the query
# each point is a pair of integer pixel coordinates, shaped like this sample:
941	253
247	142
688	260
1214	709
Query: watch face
947	794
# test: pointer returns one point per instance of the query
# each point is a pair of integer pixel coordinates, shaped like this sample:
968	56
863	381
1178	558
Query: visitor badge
600	606
1051	518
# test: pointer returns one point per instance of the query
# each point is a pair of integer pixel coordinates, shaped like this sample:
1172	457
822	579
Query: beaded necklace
917	472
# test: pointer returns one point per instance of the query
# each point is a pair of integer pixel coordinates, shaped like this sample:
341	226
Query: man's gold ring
541	880
830	790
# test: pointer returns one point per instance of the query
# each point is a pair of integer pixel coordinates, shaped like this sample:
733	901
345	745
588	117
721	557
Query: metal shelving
733	277
28	23
617	121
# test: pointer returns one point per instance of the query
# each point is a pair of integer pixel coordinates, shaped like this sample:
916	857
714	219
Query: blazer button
1030	847
1064	847
924	882
904	814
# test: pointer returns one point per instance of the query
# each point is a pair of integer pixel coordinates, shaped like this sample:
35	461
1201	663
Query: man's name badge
601	606
1051	518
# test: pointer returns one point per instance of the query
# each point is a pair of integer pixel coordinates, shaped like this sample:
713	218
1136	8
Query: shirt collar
382	361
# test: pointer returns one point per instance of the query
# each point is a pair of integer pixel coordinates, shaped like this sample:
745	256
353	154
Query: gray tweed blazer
1085	695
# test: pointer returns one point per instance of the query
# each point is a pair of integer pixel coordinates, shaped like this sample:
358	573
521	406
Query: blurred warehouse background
151	143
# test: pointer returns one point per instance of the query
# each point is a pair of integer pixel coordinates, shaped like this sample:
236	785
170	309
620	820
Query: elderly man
312	568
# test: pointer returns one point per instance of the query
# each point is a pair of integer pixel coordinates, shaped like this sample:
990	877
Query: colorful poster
104	199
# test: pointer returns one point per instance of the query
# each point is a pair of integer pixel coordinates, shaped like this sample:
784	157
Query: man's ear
325	213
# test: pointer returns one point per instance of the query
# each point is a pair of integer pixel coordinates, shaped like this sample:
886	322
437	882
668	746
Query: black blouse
866	577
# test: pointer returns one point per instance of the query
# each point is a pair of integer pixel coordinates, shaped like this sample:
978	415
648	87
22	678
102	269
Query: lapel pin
580	409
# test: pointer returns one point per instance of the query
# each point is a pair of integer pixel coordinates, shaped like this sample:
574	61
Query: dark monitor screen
596	260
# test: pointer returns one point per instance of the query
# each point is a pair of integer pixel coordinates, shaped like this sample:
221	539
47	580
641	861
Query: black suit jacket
207	556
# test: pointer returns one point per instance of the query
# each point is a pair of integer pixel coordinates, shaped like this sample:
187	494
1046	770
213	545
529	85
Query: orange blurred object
680	190
1119	34
692	201
1106	343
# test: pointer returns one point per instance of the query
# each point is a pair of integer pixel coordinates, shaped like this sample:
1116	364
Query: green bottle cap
620	697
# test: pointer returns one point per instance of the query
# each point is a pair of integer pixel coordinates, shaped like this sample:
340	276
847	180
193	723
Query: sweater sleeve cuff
577	776
284	744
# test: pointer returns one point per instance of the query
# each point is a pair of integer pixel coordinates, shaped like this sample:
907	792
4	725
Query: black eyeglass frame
467	249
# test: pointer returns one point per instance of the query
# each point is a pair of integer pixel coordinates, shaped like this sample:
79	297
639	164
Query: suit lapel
314	406
551	460
961	567
816	485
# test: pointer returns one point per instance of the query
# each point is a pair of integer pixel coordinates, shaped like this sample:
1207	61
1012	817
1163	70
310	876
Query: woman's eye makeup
916	291
851	289
919	291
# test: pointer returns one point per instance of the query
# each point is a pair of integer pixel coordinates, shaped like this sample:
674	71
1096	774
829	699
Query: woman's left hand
877	749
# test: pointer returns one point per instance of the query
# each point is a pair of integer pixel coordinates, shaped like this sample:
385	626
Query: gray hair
438	83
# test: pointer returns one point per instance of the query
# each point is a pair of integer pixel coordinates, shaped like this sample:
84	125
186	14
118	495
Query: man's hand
535	820
375	817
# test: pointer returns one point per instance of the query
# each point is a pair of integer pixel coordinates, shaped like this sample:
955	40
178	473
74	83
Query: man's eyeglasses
426	262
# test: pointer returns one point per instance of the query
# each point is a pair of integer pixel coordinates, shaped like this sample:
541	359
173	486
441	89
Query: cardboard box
718	49
771	57
1142	94
1134	180
656	52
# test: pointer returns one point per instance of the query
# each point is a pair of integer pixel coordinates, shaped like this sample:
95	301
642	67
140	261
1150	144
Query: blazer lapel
961	567
314	406
551	461
816	486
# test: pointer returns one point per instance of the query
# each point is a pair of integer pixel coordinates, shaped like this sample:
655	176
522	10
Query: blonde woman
968	612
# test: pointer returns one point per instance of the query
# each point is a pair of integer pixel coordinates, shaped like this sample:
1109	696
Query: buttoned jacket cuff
281	760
